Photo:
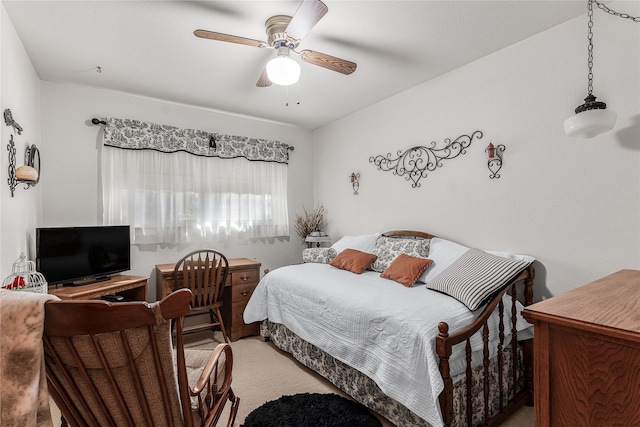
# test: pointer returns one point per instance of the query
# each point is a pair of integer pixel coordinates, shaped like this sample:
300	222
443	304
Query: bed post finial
443	329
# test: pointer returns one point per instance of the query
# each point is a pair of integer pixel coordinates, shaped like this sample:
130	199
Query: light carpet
262	373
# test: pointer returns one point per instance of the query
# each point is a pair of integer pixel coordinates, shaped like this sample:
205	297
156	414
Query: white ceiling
148	48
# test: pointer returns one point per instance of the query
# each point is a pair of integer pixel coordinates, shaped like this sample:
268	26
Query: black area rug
311	410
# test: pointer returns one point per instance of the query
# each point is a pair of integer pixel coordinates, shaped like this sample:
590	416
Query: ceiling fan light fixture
282	70
284	34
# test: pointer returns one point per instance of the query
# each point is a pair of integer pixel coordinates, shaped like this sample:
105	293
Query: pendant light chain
618	14
590	49
590	35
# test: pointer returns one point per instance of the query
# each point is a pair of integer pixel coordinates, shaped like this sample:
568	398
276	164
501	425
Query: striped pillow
475	276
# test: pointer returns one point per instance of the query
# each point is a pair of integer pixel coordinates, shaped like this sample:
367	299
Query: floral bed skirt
364	390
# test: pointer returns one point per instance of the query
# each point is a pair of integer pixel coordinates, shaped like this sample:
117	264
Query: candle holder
355	182
494	159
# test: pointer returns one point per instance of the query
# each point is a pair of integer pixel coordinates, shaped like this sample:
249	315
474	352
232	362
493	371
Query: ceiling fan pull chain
298	91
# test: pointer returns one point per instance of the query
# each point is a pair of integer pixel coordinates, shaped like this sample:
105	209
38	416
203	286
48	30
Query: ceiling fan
284	34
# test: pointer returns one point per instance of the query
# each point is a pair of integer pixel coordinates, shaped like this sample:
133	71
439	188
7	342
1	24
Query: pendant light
592	118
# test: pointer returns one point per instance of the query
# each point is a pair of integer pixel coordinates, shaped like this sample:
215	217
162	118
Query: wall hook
8	120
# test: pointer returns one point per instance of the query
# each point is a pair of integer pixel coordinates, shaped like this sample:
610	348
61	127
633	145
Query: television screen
80	255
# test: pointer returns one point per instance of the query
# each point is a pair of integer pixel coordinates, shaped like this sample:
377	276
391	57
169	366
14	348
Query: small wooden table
133	288
242	279
587	354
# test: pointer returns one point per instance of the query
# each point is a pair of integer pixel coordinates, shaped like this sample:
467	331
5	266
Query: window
179	197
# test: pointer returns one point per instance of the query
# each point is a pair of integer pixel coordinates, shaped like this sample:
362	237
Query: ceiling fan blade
263	80
306	17
211	35
327	61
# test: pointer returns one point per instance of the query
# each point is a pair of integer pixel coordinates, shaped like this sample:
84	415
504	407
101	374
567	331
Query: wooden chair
113	364
204	272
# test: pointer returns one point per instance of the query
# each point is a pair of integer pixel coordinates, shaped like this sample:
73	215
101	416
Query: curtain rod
102	122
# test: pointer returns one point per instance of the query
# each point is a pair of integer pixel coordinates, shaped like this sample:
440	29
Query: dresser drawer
242	293
244	276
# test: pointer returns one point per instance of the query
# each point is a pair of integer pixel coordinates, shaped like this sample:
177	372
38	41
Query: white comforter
375	325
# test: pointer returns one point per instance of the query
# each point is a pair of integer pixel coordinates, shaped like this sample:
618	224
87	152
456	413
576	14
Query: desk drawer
242	293
237	312
244	277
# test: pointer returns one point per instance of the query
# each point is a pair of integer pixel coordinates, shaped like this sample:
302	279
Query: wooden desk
242	279
133	288
587	354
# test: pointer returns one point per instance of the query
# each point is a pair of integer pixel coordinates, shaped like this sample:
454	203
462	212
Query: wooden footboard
445	342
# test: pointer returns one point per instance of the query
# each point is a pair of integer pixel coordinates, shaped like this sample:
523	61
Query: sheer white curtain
183	198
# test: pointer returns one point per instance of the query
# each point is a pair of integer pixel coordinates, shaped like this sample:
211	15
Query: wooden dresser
243	277
587	354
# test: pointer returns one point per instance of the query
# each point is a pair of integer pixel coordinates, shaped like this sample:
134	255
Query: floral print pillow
319	255
388	248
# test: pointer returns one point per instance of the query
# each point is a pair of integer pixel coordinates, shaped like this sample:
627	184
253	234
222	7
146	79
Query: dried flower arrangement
310	221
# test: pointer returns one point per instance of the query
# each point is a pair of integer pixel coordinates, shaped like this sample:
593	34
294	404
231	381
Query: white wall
573	204
71	190
19	92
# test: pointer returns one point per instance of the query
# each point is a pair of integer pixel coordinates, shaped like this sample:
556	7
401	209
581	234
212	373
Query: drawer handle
244	293
244	278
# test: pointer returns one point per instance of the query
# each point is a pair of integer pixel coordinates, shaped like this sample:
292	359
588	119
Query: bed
419	351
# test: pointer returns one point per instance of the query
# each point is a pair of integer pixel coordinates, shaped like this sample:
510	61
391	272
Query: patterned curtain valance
137	135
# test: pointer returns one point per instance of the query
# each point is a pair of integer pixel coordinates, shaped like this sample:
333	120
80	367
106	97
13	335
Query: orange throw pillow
353	260
406	269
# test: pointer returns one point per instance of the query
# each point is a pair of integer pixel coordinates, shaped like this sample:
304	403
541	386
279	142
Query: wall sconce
494	159
29	173
355	182
317	237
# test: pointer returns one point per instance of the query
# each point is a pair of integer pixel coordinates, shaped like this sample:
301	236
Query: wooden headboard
408	234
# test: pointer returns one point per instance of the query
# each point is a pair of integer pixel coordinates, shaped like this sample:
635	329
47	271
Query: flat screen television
82	255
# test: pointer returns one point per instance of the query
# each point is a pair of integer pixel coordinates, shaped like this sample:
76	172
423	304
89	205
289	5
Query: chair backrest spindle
204	272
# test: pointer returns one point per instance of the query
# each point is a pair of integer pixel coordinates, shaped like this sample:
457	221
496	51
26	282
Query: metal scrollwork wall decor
415	163
11	147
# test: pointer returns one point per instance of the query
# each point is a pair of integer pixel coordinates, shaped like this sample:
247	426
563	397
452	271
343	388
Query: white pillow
515	257
363	243
444	253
